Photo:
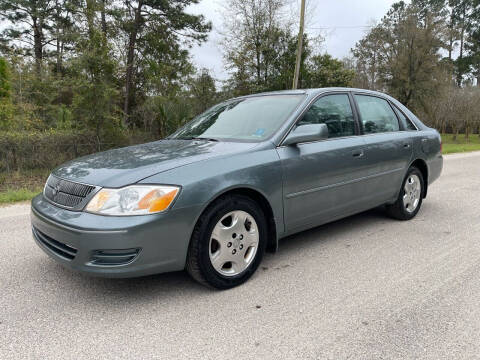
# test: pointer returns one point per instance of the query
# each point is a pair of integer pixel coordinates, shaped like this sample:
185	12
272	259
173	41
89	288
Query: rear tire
228	242
410	196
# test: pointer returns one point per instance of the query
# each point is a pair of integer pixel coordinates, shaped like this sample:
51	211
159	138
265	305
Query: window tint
334	111
407	123
376	114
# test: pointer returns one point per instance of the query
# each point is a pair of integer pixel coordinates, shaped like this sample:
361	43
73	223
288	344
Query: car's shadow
290	245
179	284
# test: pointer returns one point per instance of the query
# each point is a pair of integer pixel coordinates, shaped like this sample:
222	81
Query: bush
46	149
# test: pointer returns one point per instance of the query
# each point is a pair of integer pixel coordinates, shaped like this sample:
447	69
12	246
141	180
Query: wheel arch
421	165
264	203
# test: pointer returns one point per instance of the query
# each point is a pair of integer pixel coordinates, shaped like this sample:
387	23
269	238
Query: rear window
376	114
406	122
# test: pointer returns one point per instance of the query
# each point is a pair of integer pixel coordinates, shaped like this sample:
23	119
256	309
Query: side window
334	111
376	114
407	123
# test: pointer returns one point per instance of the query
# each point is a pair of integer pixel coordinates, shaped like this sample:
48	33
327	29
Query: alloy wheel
233	243
412	193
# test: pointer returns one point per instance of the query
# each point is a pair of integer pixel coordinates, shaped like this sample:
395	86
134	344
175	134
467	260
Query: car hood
120	167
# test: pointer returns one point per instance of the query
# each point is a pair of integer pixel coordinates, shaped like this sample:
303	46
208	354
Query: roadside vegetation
451	144
21	185
83	76
12	196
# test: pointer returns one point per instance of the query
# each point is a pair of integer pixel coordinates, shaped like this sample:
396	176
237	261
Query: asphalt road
366	287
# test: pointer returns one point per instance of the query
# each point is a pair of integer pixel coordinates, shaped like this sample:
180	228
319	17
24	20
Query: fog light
113	257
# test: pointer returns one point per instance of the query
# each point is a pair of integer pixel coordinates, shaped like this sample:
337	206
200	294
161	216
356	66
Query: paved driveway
366	287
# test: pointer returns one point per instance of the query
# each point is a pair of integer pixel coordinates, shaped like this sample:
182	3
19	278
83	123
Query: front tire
410	196
228	242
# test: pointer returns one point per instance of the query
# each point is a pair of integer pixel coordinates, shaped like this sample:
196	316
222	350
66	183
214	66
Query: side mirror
306	133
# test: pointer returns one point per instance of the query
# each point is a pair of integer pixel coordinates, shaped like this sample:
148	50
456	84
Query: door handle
357	153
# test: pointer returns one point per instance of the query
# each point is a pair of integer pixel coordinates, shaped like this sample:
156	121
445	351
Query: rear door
388	147
323	179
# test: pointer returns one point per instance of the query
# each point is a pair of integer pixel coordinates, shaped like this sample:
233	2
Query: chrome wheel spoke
251	239
219	259
406	201
238	222
220	232
239	265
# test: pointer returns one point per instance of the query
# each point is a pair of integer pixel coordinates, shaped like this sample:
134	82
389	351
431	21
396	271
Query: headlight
133	200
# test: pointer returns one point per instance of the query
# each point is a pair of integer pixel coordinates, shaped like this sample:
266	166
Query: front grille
63	250
66	193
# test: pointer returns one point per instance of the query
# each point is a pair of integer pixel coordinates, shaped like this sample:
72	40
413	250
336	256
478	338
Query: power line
341	27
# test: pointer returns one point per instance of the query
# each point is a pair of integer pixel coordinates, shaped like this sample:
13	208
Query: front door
323	179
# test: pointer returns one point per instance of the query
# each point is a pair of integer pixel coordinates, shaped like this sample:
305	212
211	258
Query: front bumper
149	244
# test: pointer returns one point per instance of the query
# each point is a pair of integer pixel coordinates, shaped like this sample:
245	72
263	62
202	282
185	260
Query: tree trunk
462	33
57	33
90	14
450	47
103	19
132	39
451	40
37	44
462	42
259	60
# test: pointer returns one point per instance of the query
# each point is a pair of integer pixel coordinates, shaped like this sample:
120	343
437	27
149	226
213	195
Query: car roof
314	91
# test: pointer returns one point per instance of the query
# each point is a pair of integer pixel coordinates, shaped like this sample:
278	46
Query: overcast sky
341	22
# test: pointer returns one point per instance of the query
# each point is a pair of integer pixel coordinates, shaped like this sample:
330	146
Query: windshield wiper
199	138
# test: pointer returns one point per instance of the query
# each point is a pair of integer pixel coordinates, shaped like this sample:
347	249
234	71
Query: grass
21	185
11	196
24	185
460	144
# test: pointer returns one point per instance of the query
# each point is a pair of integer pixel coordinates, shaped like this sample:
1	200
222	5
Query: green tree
6	106
252	39
402	54
5	86
283	53
202	91
326	71
461	18
29	26
472	45
157	27
95	94
369	58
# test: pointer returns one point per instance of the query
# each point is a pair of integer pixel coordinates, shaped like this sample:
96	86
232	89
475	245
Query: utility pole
300	46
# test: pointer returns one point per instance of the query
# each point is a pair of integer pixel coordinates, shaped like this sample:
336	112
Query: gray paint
306	185
115	168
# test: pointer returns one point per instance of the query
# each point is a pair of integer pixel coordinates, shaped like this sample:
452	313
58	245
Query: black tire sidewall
214	215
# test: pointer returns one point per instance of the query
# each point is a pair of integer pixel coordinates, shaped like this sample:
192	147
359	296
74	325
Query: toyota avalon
215	195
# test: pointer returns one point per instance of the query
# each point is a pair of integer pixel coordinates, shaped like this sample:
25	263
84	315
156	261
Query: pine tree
30	26
156	28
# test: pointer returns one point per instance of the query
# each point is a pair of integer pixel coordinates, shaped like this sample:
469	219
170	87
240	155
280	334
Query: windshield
253	119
